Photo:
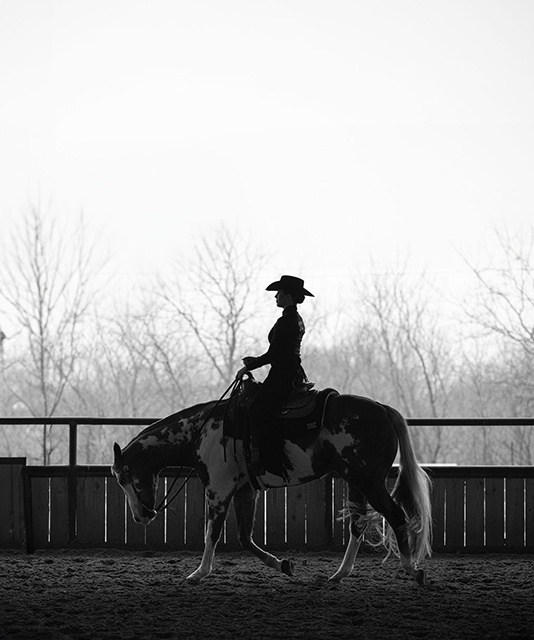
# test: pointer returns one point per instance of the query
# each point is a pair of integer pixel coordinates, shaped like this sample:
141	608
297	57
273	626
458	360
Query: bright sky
335	131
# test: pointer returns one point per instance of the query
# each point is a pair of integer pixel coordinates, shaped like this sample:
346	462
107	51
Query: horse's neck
172	441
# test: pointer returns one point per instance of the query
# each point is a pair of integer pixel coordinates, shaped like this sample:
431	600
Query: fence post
28	509
73	446
12	502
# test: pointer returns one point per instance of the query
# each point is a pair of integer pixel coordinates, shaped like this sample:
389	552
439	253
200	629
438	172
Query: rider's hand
248	360
241	373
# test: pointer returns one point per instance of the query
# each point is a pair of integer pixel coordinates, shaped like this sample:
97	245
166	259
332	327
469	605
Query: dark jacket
284	344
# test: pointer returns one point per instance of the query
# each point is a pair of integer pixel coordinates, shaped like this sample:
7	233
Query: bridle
164	504
124	477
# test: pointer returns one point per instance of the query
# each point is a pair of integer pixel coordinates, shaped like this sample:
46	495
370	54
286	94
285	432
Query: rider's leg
263	411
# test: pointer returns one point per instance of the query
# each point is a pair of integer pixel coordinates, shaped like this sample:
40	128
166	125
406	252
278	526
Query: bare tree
47	286
213	296
411	352
501	308
503	301
144	362
345	357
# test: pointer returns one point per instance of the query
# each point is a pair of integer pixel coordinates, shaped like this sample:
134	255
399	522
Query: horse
358	439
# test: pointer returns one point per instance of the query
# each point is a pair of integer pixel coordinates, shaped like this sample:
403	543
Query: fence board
135	533
529	515
339	527
328	509
155	531
90	500
438	513
176	518
195	514
296	509
318	534
276	518
59	515
40	495
495	512
515	513
230	530
12	503
116	513
454	513
474	513
259	533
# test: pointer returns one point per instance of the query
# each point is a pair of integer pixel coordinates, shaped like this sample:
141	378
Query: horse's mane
172	419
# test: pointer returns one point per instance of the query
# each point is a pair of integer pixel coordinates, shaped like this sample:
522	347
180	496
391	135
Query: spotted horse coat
358	441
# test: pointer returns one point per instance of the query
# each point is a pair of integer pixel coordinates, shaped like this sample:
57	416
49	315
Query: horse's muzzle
146	516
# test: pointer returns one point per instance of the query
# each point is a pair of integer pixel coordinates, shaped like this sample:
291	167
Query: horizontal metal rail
415	422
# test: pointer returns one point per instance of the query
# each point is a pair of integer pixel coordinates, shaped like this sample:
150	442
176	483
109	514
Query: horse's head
138	483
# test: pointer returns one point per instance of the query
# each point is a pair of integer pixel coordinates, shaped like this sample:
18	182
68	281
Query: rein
164	504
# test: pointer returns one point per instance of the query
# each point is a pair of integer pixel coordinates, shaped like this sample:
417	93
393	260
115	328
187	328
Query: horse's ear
118	453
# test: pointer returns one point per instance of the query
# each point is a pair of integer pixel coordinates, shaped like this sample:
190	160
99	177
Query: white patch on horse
177	433
300	460
342	441
152	441
205	442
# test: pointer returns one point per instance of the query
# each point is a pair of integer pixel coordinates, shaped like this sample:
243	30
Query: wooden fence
475	509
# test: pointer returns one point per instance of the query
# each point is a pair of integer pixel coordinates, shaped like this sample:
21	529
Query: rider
286	373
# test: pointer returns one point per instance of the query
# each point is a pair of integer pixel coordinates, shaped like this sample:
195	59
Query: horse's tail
412	492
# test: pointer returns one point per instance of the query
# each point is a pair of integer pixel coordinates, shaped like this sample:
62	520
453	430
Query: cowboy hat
289	284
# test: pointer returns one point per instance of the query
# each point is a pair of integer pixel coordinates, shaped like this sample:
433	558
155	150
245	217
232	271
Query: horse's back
357	409
364	419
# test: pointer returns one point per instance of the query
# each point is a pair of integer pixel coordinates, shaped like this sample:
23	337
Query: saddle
302	411
301	402
301	418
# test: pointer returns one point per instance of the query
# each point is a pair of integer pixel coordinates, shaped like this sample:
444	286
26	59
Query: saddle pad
297	422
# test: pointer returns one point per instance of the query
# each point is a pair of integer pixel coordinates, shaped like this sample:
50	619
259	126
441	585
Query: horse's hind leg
382	502
358	507
245	501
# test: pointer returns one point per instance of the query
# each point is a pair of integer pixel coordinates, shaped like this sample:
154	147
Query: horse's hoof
420	576
288	567
195	577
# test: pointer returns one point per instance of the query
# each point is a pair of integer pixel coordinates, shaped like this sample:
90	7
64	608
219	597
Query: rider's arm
280	338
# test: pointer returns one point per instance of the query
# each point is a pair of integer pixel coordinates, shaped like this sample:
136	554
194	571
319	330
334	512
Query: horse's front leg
245	501
217	511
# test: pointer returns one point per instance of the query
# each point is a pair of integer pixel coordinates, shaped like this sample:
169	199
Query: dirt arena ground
125	595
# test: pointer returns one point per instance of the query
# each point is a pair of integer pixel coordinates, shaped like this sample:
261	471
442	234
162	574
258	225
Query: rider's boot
256	466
